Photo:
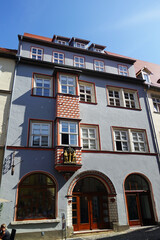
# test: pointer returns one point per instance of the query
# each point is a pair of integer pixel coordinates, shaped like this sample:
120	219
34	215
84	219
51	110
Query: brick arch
95	174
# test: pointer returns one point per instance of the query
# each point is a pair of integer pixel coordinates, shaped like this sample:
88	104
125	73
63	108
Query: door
140	209
133	210
90	211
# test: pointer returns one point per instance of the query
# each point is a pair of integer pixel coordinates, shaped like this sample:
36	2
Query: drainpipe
153	127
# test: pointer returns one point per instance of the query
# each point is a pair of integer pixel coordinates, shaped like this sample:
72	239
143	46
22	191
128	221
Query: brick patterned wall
68	106
59	156
112	207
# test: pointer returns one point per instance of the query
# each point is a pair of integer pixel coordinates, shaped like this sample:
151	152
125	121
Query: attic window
146	77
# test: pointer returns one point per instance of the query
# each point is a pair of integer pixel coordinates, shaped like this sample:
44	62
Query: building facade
79	142
7	67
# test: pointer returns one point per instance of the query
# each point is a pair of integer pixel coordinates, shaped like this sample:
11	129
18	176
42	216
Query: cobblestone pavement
138	233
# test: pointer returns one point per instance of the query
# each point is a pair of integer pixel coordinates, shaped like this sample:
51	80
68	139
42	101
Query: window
97	50
123	70
79	45
133	140
36	197
123	97
89	137
156	103
87	92
68	84
146	77
58	57
69	133
42	86
79	62
40	134
99	65
36	53
62	42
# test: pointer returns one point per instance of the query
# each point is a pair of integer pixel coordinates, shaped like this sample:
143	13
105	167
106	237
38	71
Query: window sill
25	222
32	95
136	109
89	103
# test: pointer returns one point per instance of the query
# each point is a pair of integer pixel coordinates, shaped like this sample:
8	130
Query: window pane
64	89
47	83
64	127
46	92
36	141
85	143
45	129
73	139
73	127
84	132
71	90
65	138
70	81
63	80
44	141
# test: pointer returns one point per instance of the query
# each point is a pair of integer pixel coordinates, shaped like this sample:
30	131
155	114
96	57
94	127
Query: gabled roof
94	45
144	69
153	68
79	40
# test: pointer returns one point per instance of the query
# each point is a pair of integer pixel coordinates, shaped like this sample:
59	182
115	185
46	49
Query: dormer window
144	73
97	50
79	45
62	42
146	77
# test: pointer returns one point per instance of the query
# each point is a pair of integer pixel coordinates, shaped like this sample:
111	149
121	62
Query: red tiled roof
6	50
37	37
118	55
152	67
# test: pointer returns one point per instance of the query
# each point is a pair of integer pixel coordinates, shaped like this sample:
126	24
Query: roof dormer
145	74
96	48
79	43
60	40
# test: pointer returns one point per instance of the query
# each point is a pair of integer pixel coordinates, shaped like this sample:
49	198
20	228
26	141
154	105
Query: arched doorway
90	205
36	197
138	197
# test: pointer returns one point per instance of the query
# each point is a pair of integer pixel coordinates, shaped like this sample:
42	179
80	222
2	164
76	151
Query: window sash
123	98
58	57
99	65
123	70
89	138
68	84
36	53
156	104
40	134
69	133
85	93
130	140
42	86
79	62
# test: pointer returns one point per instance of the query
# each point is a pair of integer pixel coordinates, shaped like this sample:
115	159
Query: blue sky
127	27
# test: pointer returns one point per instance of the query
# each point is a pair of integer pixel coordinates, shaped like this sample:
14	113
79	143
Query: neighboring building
150	72
7	66
79	140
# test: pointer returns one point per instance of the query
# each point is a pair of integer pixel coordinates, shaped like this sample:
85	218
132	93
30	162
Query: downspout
153	127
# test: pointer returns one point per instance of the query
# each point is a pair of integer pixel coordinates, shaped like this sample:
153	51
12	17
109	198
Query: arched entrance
138	197
90	205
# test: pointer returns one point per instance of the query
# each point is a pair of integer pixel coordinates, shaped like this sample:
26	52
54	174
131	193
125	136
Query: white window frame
156	103
99	65
121	138
43	78
126	98
79	61
146	77
67	84
40	134
58	59
89	139
86	85
62	42
135	140
69	133
80	45
123	70
36	54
